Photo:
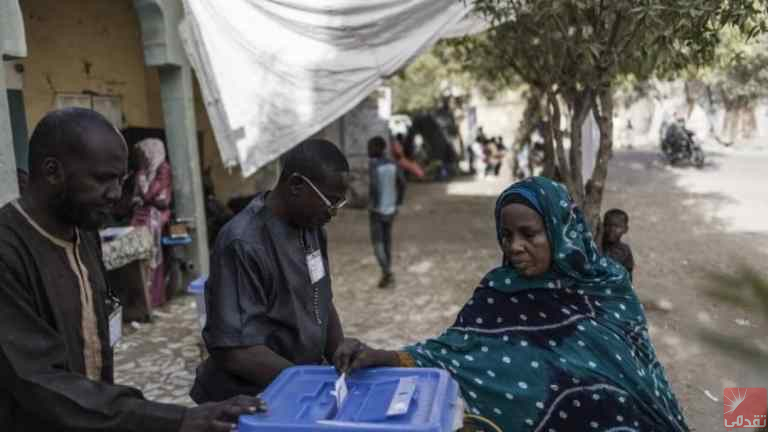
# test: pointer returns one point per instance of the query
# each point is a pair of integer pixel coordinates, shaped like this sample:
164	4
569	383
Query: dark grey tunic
43	386
259	293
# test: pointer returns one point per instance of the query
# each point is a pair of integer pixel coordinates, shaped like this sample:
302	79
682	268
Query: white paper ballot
340	390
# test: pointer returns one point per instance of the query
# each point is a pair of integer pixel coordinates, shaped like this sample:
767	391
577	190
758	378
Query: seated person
554	338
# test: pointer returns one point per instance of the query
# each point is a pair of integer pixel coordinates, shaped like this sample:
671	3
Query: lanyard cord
315	288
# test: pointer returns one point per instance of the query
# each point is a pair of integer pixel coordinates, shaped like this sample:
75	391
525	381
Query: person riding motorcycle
677	139
678	145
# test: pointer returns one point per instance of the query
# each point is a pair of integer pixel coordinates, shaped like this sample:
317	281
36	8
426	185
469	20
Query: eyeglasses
326	201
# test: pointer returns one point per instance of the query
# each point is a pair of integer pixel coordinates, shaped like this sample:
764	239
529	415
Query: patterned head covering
154	150
575	257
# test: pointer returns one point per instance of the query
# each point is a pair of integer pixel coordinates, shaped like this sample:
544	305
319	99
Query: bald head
314	158
77	162
69	133
314	177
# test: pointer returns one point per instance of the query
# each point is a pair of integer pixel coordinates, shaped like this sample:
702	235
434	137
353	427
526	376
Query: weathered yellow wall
86	45
95	45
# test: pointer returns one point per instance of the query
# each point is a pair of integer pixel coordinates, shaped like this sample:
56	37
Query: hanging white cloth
274	72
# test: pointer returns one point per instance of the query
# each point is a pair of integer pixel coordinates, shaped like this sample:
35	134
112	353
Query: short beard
71	213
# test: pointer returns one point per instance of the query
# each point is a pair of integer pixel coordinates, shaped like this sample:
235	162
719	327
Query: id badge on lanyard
115	310
115	326
316	266
314	259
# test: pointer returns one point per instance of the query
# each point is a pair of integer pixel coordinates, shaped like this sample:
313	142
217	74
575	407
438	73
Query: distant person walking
501	153
475	149
387	190
494	152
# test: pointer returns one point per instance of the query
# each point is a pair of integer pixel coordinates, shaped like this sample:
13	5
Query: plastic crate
381	399
197	288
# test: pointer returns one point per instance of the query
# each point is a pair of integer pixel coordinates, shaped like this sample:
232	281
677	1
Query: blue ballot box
302	399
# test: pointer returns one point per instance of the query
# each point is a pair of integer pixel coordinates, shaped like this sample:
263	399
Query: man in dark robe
55	349
268	298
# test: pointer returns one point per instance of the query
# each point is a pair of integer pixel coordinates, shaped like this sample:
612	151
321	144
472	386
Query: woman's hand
372	357
353	355
346	353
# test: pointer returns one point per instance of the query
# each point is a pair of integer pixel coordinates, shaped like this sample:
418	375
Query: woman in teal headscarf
552	340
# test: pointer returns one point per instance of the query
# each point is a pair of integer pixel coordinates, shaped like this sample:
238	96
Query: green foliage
423	84
587	43
740	72
478	58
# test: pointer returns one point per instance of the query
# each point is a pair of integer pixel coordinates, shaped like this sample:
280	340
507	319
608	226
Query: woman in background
153	207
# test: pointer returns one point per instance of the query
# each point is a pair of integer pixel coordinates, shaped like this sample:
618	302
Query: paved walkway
160	358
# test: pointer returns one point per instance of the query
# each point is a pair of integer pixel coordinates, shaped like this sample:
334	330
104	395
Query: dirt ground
444	242
677	242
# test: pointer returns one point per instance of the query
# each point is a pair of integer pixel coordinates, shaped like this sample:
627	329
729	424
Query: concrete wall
86	45
12	45
710	122
351	133
333	133
12	40
359	125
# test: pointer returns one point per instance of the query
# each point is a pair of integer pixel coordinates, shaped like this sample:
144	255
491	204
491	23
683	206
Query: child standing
615	225
387	188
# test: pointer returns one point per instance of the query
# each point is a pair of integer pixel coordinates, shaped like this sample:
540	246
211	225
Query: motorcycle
679	148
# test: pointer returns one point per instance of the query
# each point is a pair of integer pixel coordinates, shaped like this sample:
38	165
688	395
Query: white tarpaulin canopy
274	72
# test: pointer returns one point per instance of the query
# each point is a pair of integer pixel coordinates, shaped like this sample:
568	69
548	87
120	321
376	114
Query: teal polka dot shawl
565	351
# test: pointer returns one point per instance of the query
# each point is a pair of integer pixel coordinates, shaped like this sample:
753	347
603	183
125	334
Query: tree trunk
549	148
531	117
549	145
730	118
562	161
690	98
603	113
750	122
581	103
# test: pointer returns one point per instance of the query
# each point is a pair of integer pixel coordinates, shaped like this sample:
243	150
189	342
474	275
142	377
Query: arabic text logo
745	407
